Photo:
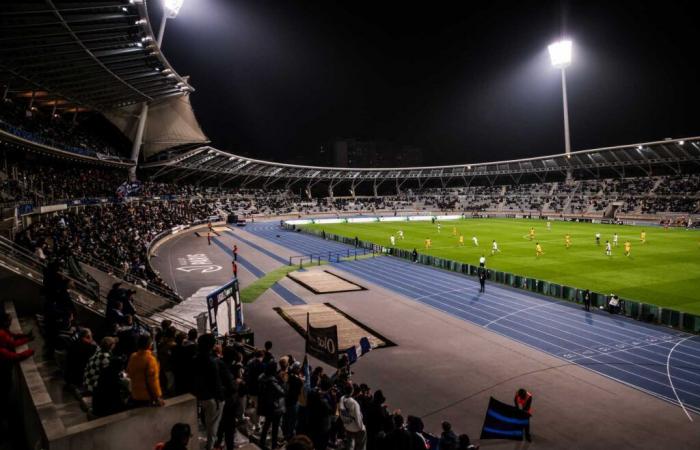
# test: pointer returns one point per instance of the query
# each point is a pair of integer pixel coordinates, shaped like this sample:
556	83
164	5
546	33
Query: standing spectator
401	439
235	252
77	357
182	361
180	435
144	374
211	381
523	401
350	414
166	346
227	425
271	403
8	357
448	438
268	353
321	410
111	390
127	337
98	361
253	370
376	419
414	255
295	384
414	425
465	443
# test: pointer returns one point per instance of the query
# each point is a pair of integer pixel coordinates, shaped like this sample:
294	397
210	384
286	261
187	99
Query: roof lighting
681	142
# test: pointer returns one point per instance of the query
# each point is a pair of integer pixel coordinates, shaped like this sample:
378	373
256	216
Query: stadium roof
92	54
221	166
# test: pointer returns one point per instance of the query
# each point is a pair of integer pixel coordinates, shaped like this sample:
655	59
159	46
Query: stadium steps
69	408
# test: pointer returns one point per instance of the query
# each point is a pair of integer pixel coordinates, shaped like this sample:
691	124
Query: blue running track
662	362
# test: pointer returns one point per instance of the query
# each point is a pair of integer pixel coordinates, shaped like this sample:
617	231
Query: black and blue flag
504	421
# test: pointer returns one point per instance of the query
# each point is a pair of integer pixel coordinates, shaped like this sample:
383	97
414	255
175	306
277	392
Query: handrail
87	296
170	296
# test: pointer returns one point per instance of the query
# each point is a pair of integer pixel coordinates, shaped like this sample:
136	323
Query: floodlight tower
170	10
560	55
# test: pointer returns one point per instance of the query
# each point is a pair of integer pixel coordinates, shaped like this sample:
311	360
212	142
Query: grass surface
254	290
665	271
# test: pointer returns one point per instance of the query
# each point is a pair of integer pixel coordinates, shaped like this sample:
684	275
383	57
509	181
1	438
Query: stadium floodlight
172	7
560	53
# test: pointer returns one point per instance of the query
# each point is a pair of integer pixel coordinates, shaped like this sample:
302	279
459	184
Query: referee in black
482	279
587	300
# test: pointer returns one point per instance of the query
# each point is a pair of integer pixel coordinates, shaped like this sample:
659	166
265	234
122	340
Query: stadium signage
198	262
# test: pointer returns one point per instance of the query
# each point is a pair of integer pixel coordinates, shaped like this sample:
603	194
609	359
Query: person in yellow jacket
144	373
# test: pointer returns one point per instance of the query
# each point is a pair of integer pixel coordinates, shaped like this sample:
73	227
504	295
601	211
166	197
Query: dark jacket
76	359
403	440
211	378
448	440
183	367
320	409
110	392
253	370
270	396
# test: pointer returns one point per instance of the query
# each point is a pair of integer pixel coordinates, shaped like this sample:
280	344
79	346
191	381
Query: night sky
277	79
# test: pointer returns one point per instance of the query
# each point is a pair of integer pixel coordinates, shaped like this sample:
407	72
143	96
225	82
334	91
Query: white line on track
543	305
560	338
670	380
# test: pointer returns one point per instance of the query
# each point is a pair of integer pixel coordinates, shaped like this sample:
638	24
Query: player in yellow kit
628	248
567	241
461	240
428	243
532	233
643	237
454	231
538	250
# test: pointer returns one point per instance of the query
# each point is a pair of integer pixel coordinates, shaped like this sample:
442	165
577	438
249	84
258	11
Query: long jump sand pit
350	331
324	282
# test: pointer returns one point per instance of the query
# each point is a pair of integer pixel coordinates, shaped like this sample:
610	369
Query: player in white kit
475	241
393	240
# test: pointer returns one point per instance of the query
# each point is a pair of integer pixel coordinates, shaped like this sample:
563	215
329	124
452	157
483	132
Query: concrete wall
139	428
43	428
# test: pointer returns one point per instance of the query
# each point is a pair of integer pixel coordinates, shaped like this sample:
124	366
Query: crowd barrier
631	308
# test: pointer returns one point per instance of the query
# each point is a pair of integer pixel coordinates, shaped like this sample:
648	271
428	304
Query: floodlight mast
560	54
170	10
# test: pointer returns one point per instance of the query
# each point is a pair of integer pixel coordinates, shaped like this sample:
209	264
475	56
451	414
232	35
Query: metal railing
331	256
28	265
130	277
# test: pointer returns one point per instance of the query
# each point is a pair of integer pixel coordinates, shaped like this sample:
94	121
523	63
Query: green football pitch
665	271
